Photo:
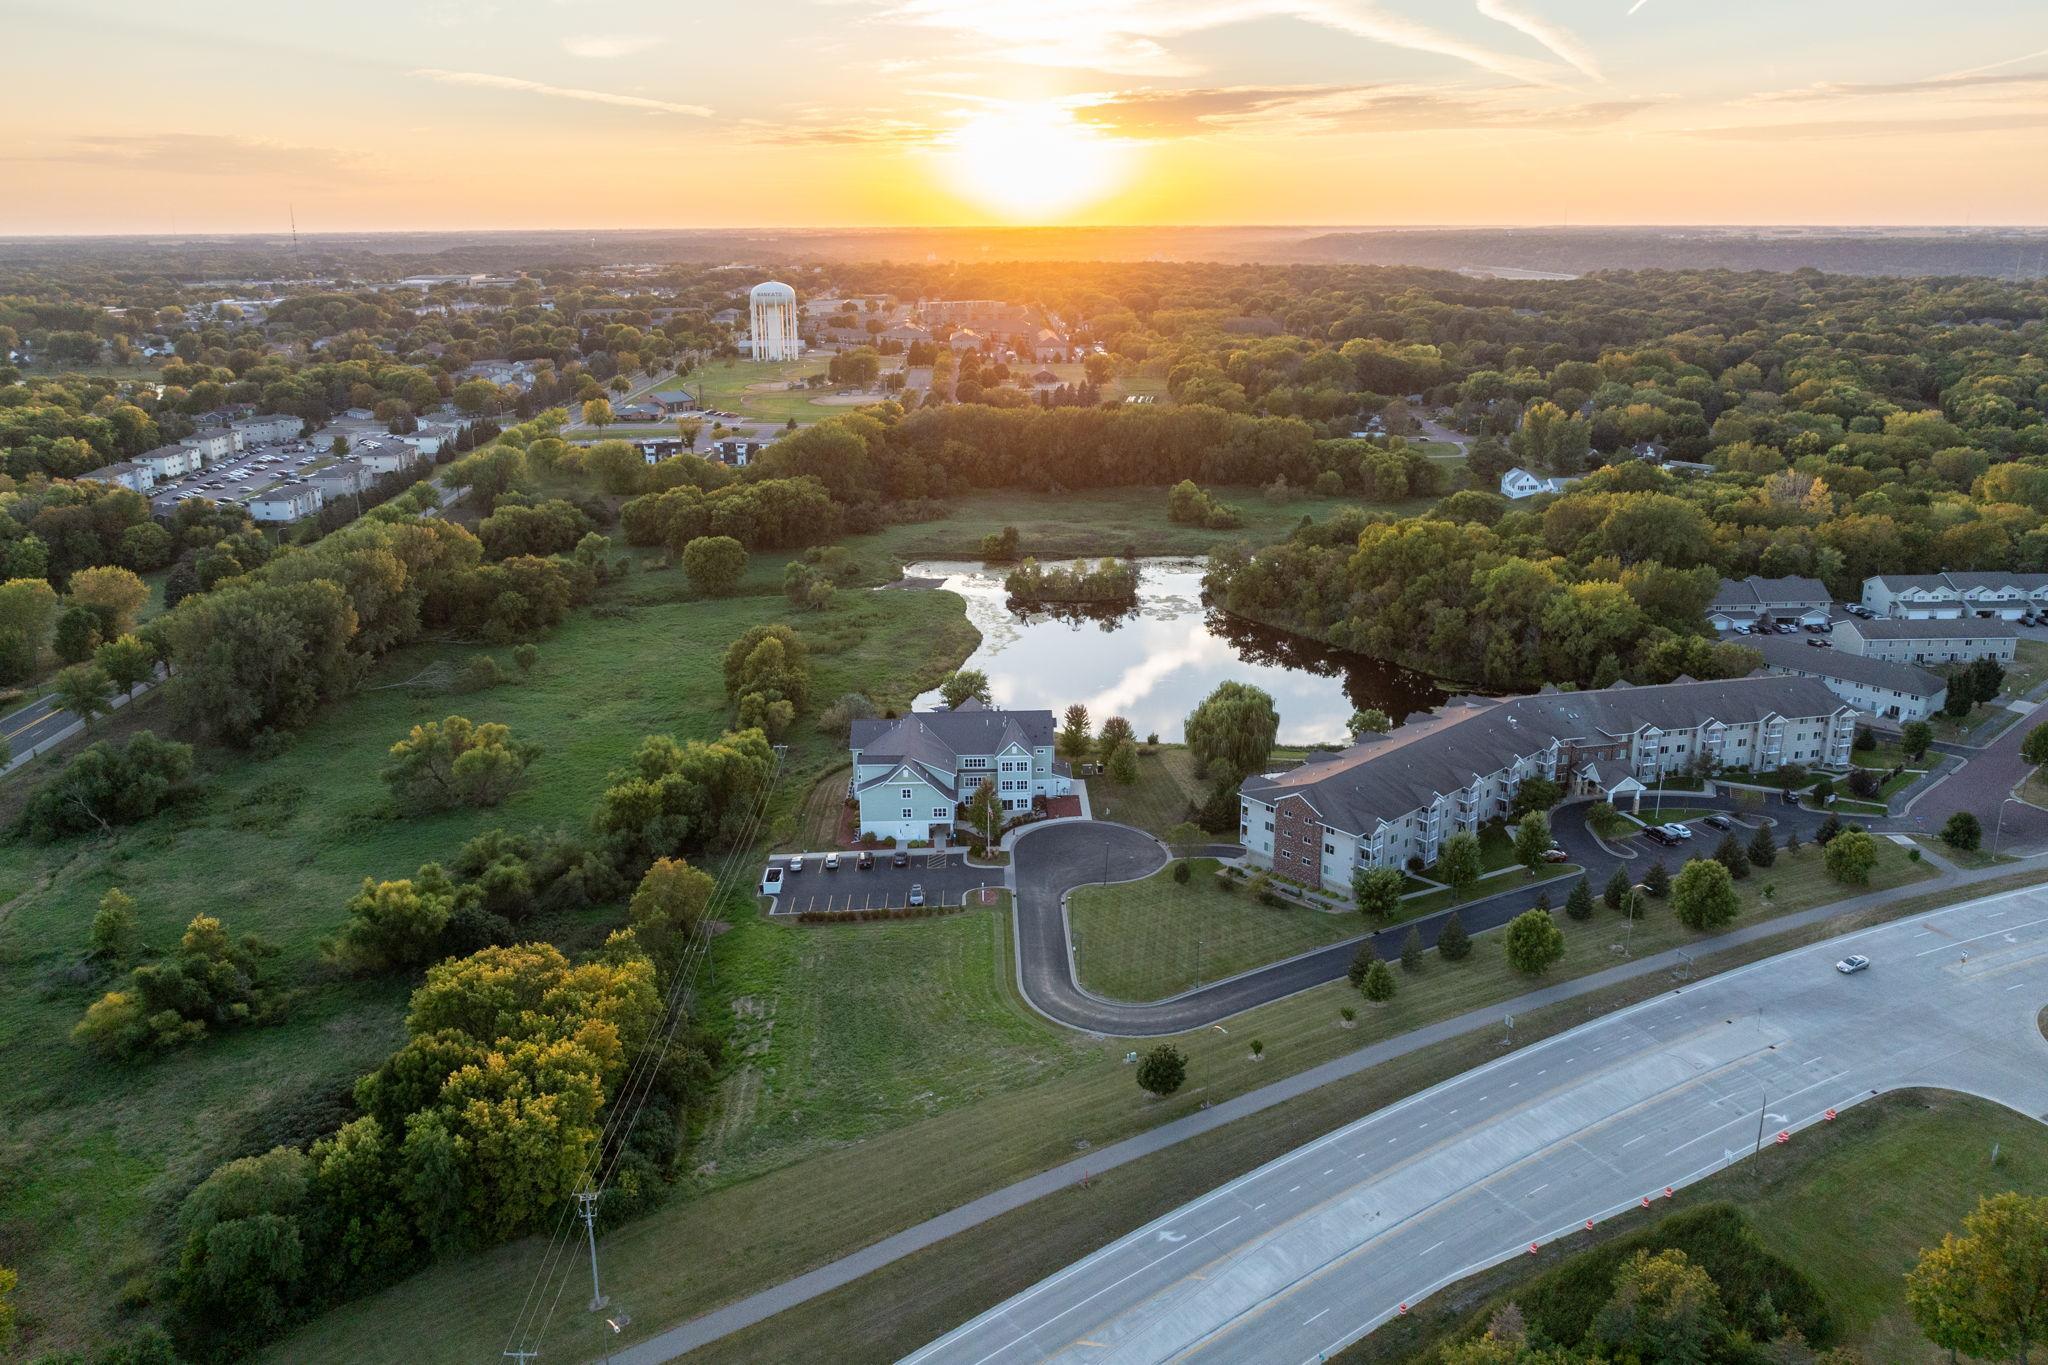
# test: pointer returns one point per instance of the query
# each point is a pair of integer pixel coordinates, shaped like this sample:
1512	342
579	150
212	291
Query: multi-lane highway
1308	1253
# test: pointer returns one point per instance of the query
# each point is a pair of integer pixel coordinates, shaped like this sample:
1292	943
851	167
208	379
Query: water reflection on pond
1154	662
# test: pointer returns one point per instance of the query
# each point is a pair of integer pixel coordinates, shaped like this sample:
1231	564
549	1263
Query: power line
627	1105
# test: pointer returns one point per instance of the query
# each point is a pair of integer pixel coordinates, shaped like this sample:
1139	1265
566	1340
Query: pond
1154	663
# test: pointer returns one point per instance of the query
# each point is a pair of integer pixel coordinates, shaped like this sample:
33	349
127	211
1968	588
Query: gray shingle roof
1798	656
1385	776
1952	628
1753	593
1961	582
937	739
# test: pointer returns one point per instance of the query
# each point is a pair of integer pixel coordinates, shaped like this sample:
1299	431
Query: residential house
911	775
1048	347
1792	601
287	502
1882	688
1946	596
1525	483
342	479
389	455
966	339
1391	800
1938	641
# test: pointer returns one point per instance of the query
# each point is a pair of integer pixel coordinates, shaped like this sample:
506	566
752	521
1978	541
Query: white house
343	478
387	456
1916	641
911	775
1947	596
285	503
1883	688
1523	483
1391	800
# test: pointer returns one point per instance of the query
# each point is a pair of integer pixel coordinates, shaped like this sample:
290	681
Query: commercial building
1937	641
910	776
1882	688
1948	596
1391	800
1781	601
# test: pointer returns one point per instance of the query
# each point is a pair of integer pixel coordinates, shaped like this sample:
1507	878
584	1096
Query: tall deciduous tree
1533	941
1986	1292
1703	895
1458	861
1232	730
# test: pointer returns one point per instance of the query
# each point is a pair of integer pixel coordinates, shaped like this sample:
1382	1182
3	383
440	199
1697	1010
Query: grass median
849	1191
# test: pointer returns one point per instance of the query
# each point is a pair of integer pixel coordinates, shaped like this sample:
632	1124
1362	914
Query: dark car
901	859
865	861
1659	835
1715	821
1818	643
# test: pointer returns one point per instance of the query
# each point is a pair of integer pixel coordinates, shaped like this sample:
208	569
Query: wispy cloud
1311	110
206	154
1860	128
1561	41
488	81
1933	85
600	46
1130	37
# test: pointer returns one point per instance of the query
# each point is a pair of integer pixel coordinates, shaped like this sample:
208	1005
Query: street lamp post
1998	830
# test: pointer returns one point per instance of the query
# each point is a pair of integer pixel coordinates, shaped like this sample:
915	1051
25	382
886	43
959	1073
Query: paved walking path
758	1307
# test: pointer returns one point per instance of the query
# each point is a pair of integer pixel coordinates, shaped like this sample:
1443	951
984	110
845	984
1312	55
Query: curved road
1310	1252
1051	860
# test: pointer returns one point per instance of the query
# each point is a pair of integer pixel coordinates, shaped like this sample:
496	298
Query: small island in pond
1111	581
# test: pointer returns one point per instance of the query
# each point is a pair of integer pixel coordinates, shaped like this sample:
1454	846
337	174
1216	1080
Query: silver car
1852	964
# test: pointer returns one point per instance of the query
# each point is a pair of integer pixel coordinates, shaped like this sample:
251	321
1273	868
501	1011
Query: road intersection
1310	1252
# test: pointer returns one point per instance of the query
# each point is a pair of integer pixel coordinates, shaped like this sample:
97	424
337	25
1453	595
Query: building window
904	793
938	812
908	813
1329	847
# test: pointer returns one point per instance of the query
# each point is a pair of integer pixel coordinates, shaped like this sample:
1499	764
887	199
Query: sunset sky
215	115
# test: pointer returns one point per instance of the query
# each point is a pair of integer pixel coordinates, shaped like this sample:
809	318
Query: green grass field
1850	1204
93	1156
736	386
1151	939
1101	521
2027	670
845	1192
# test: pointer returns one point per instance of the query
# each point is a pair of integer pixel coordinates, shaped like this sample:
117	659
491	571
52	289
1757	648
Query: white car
1852	964
1676	830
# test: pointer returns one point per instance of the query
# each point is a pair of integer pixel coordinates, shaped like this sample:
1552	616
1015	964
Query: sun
1033	163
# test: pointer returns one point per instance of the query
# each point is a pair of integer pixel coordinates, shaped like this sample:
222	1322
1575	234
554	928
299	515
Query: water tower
771	308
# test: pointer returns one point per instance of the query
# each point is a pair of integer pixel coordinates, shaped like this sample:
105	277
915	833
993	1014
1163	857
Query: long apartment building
1393	799
1947	596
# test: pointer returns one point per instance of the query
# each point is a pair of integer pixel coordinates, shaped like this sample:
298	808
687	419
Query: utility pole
1762	1112
586	1201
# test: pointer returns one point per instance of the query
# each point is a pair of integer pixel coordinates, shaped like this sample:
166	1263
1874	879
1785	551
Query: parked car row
864	860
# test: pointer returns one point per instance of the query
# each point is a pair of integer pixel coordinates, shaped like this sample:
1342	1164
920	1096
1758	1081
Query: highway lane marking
1623	1019
1104	1290
1292	1188
1513	1084
1313	1319
1431	1247
1328	1169
1964	942
1539	1189
2019	986
1257	1207
1634	1140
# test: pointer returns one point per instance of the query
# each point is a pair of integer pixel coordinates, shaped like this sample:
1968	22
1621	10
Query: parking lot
237	477
945	878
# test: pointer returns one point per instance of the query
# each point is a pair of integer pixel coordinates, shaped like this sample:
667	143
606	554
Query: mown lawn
1151	939
1850	1204
849	1192
93	1157
2027	670
1162	797
1101	521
